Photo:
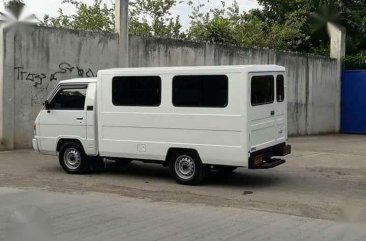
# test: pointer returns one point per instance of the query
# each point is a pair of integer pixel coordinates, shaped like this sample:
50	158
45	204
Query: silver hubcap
72	158
185	167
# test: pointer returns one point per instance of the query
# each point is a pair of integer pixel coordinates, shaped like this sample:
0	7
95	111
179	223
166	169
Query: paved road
98	217
320	192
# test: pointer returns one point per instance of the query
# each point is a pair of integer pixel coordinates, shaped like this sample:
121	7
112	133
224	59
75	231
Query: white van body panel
91	143
221	136
149	132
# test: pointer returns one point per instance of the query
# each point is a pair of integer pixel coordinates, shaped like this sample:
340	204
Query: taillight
34	129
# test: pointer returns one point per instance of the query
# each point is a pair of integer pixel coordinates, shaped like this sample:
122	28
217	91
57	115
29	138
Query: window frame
203	107
142	76
69	86
273	87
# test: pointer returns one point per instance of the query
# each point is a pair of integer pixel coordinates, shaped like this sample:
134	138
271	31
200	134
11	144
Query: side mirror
47	106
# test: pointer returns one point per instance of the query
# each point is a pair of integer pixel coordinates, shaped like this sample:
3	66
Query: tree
15	7
211	26
95	17
146	18
298	25
154	18
315	15
227	24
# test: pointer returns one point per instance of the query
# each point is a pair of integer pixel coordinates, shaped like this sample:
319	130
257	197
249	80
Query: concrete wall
36	58
2	50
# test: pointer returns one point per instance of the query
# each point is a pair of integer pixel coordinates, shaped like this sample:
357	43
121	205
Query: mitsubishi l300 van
190	119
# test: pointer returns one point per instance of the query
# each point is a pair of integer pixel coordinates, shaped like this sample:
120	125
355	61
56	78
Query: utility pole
337	35
121	23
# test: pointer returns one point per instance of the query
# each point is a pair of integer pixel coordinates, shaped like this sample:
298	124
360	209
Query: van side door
262	111
65	117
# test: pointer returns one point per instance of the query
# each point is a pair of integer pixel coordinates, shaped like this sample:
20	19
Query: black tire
73	159
191	162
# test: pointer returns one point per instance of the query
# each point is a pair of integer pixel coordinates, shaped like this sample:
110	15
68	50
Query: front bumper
35	144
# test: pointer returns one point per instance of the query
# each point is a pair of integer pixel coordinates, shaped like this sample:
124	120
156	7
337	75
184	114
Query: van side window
280	86
200	91
69	99
262	91
136	91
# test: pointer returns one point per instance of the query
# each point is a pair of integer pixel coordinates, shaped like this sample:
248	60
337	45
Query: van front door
262	111
65	117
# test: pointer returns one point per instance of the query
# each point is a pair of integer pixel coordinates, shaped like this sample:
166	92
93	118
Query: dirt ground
324	178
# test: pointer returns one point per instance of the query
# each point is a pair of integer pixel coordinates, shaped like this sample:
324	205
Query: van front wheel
187	168
72	158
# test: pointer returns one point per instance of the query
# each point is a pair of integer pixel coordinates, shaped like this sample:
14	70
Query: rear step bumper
269	164
268	158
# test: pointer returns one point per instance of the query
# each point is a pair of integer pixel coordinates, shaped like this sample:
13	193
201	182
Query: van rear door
262	111
281	109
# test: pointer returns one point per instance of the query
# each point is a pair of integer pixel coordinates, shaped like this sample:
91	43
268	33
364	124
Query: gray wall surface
36	58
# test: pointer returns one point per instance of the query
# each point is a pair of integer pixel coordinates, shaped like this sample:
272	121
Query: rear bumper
270	164
263	159
35	144
287	149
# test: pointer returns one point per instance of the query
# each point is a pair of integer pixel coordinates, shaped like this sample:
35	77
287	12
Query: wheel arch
172	150
62	141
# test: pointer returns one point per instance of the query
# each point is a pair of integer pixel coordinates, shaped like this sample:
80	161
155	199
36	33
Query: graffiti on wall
38	79
42	83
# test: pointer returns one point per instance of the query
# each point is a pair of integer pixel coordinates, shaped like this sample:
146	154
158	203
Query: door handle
272	113
80	118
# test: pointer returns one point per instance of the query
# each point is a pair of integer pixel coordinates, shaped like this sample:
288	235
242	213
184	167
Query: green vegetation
313	15
95	17
154	18
299	25
357	61
227	24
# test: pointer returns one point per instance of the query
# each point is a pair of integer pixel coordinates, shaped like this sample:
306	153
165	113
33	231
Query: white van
191	119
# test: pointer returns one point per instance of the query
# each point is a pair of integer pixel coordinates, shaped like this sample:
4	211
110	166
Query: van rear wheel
72	158
187	168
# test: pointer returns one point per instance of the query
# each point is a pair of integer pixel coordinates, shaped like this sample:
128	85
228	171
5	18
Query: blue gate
353	118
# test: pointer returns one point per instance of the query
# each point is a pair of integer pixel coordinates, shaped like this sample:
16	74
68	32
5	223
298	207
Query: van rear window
136	91
262	91
210	91
280	86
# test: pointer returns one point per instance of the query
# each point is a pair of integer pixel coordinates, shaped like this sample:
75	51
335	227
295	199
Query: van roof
192	69
233	68
79	80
